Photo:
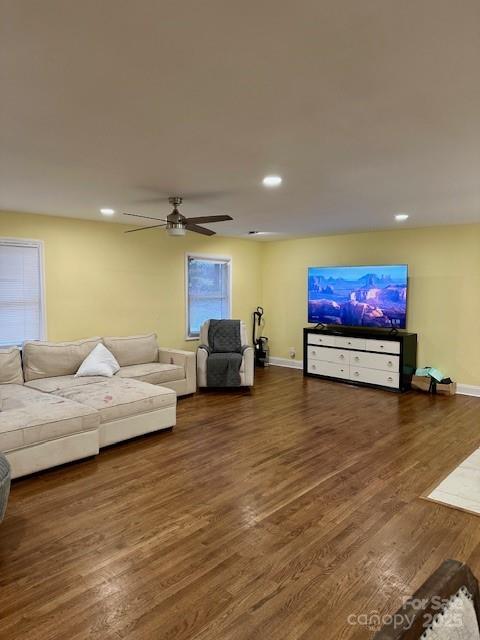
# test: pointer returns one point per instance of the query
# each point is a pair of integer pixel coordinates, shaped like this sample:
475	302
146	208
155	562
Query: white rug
461	489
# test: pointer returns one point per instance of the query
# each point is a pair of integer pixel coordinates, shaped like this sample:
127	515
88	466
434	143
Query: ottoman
39	430
4	484
127	407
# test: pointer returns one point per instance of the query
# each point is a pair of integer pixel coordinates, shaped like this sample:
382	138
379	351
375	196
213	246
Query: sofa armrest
248	364
185	359
202	356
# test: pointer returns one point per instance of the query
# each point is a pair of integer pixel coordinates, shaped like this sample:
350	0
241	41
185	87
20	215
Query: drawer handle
314	353
382	347
349	342
390	363
342	357
313	366
341	370
390	379
356	373
357	358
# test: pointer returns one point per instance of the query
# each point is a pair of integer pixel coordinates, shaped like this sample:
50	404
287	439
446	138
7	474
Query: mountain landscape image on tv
372	296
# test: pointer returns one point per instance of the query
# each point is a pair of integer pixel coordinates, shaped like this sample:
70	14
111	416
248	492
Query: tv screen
372	296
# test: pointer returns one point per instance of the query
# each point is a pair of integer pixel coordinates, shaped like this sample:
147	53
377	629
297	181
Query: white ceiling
365	107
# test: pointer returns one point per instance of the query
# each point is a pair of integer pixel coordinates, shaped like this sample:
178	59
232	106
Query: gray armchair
246	368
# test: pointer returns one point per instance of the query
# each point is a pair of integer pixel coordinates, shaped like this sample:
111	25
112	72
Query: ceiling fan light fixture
176	231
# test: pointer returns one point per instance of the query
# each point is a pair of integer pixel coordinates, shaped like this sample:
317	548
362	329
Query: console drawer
327	354
329	369
383	346
318	338
349	343
374	376
374	361
319	353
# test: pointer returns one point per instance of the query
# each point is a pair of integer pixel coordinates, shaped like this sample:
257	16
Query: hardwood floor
276	514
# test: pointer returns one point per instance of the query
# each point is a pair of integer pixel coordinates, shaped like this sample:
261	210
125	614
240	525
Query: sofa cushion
29	417
11	366
50	359
117	398
52	385
15	396
154	372
131	350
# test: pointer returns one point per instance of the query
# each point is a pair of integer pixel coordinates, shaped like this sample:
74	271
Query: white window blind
208	291
21	294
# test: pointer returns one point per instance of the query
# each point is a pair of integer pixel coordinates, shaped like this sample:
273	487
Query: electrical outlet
292	352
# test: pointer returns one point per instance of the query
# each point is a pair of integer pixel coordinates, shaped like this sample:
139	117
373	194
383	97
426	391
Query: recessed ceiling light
107	212
401	217
272	181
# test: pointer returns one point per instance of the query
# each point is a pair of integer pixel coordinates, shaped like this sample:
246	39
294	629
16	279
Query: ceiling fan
177	224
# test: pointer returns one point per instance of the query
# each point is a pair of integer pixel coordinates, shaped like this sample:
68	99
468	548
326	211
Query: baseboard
286	362
462	389
468	390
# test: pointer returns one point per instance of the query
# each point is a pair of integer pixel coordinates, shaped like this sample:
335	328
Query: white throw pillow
99	362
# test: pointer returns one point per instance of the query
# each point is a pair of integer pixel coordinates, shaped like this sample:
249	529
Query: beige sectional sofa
50	366
49	417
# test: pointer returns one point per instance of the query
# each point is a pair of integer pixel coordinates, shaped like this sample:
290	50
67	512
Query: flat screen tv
371	296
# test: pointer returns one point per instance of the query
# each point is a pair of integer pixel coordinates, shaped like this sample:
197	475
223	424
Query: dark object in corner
416	615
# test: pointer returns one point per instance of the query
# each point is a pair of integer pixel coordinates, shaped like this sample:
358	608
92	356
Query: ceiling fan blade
204	231
202	219
136	215
154	226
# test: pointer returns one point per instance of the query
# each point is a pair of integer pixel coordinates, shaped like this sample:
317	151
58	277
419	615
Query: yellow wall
444	289
100	281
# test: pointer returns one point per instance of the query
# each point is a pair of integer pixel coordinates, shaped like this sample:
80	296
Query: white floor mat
461	489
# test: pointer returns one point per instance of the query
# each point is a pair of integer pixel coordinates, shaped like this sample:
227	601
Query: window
21	291
208	291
